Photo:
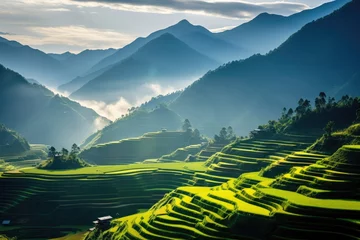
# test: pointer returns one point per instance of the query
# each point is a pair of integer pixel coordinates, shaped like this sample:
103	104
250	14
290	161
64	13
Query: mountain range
49	69
164	60
324	56
240	42
41	116
267	31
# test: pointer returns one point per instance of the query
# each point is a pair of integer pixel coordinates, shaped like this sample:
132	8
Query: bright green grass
305	201
118	169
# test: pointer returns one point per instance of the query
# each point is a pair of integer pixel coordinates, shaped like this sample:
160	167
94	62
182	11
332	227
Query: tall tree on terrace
186	126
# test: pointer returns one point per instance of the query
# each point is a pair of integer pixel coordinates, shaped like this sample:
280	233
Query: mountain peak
184	22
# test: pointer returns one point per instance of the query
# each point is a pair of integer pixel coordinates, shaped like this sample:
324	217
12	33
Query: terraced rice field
248	155
257	207
39	201
181	154
30	158
127	151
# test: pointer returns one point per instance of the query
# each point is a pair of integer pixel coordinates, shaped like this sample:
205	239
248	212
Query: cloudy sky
75	25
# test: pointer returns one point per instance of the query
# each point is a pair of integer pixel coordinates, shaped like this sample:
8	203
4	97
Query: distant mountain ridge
50	69
197	37
153	63
324	56
267	31
39	115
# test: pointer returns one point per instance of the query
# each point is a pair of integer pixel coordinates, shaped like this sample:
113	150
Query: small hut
103	222
6	222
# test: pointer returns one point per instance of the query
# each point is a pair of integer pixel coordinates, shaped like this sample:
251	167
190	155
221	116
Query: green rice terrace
149	146
41	203
317	199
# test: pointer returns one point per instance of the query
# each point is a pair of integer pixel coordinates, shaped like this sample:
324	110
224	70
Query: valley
172	129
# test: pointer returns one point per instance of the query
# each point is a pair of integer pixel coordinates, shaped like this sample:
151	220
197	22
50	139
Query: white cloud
111	111
227	9
221	29
82	36
57	10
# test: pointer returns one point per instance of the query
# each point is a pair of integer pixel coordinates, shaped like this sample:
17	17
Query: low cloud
222	29
111	111
234	9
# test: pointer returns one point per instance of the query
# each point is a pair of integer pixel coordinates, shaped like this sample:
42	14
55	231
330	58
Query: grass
228	198
127	151
255	200
118	169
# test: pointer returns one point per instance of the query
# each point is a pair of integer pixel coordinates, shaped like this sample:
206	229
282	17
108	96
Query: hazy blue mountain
78	64
323	56
61	56
32	63
268	31
80	81
197	37
11	142
153	63
136	124
39	115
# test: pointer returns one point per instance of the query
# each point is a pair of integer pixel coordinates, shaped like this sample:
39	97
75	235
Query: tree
320	102
52	151
290	113
322	95
64	152
75	149
329	128
186	126
358	115
223	134
230	134
196	134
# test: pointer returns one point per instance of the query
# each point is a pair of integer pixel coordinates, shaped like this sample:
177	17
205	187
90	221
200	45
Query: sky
74	25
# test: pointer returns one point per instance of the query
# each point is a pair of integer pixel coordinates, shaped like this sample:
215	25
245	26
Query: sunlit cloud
230	9
57	10
222	29
75	36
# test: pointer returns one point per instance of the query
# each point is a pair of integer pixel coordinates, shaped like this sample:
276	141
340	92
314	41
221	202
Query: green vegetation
243	93
63	160
39	114
225	136
136	123
11	142
149	146
318	199
89	192
326	116
30	158
328	144
181	154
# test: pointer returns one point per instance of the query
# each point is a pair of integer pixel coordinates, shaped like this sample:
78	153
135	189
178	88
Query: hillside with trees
11	142
322	56
63	160
151	145
41	116
326	114
136	123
